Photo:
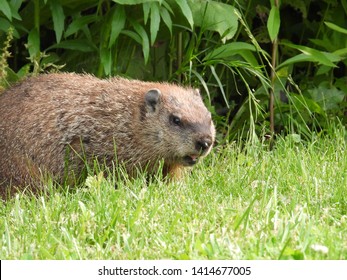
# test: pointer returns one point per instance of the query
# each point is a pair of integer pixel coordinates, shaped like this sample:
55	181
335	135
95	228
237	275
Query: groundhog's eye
175	120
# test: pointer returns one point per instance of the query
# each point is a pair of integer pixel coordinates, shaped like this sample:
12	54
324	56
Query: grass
249	203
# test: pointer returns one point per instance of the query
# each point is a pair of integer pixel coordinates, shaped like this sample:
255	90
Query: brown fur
43	117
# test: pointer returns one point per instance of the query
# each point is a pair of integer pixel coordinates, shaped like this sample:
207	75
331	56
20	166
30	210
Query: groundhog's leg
18	173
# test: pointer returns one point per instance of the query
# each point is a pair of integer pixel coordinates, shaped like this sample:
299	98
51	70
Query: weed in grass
5	54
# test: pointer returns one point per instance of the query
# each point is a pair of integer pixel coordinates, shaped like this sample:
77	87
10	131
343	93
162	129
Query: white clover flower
320	248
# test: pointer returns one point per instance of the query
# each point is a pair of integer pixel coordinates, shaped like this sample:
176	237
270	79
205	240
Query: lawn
241	202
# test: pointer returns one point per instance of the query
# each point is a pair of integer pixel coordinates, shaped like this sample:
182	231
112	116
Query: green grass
248	203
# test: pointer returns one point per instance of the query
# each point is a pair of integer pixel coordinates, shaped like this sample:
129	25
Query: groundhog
55	124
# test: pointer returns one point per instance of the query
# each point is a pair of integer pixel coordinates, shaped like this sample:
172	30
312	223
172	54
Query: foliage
240	53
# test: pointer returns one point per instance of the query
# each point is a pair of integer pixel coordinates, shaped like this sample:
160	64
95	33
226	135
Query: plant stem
37	15
179	55
272	92
273	79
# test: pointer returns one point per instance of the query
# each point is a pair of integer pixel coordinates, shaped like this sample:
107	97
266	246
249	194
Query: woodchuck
56	123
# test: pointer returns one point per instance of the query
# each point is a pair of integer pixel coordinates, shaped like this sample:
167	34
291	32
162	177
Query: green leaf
215	16
146	10
341	52
203	83
33	43
301	102
324	44
273	23
106	60
249	57
229	50
58	18
297	59
133	2
213	71
5	25
15	5
132	35
329	98
79	23
344	5
187	12
144	39
6	9
293	137
312	55
155	21
290	253
165	15
78	45
167	7
336	27
322	69
117	24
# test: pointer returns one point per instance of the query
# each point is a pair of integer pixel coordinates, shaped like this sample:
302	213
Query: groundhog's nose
203	144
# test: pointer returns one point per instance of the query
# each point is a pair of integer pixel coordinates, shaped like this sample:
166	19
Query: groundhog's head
177	123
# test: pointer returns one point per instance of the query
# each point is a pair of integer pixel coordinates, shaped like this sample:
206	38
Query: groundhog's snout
202	148
203	145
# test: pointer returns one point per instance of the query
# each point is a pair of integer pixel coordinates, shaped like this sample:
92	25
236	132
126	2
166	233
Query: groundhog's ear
152	99
197	92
